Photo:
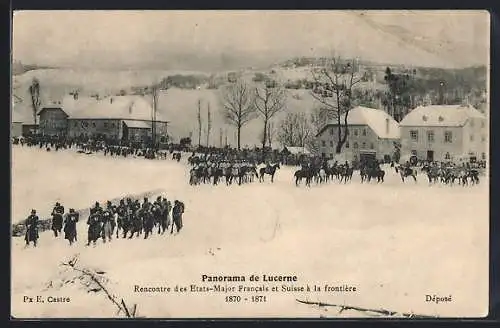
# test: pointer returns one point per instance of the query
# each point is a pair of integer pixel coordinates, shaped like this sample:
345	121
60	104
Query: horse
301	174
322	175
405	172
271	170
346	173
432	173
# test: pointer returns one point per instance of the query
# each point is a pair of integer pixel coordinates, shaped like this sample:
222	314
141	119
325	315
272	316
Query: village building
22	118
371	133
16	125
444	133
116	118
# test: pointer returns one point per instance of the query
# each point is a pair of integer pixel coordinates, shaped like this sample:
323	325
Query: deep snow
395	242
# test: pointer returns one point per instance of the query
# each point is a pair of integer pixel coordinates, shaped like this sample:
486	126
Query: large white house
444	133
370	133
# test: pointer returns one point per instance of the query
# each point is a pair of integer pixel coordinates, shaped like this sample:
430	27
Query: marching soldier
32	228
177	212
57	219
70	221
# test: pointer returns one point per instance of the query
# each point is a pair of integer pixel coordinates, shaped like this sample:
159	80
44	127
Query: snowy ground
394	242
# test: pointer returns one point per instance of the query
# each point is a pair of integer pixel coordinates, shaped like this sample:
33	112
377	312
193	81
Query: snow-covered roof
17	117
441	115
22	112
298	150
376	119
137	124
115	107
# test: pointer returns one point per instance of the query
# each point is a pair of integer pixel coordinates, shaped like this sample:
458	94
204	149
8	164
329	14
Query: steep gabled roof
441	115
376	119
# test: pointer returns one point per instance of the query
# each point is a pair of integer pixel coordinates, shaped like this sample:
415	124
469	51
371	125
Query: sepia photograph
250	164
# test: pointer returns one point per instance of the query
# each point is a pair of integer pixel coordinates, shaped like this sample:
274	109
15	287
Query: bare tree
269	100
209	124
271	132
34	90
199	122
239	106
295	130
318	117
333	86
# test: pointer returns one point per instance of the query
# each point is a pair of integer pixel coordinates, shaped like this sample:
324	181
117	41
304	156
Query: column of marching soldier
129	218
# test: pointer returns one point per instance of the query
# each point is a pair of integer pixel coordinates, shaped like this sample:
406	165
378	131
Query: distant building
22	115
53	121
16	125
371	133
117	118
444	133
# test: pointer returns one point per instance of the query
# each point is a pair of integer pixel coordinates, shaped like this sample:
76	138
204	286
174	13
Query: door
430	155
125	135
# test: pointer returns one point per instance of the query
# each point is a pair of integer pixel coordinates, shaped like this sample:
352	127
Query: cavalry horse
271	170
405	172
304	173
368	173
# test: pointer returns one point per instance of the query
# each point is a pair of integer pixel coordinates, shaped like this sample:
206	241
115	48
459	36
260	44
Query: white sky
117	38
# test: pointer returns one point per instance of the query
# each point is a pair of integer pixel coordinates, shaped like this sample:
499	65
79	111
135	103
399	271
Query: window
414	135
364	132
356	132
323	143
331	143
372	146
447	156
93	124
347	131
105	124
113	125
347	144
471	137
430	136
483	156
363	145
331	155
448	137
75	124
355	145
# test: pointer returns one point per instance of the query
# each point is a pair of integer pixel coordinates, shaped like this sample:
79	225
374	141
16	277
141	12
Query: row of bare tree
333	89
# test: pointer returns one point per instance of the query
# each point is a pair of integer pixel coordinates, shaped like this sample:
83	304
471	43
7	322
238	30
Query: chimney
387	125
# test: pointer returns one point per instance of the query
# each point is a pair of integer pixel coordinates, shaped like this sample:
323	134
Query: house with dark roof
115	118
371	133
444	133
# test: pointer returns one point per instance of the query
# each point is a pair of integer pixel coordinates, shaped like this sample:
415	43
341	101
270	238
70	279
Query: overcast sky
140	38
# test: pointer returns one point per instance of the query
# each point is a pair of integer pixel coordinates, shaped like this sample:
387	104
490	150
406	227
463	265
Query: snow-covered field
394	242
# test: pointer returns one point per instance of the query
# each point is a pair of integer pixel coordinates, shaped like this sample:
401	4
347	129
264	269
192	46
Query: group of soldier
129	218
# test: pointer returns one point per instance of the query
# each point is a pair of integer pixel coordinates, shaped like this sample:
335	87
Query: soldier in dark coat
70	221
148	220
57	219
177	212
32	228
94	223
165	215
